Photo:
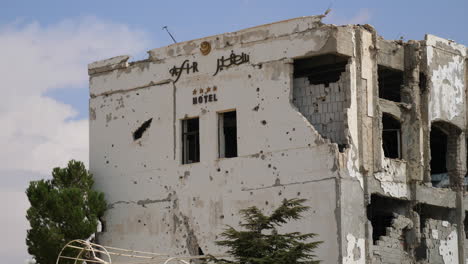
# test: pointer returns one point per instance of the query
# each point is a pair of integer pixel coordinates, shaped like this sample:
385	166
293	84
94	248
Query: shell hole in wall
381	212
139	132
322	69
321	89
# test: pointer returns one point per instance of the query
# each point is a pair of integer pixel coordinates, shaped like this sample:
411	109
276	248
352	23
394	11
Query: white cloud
363	16
36	135
38	132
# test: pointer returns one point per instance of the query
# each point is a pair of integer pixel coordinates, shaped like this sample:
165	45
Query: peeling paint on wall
448	248
393	178
447	94
355	250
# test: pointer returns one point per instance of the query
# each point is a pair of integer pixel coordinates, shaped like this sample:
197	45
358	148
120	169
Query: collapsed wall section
321	93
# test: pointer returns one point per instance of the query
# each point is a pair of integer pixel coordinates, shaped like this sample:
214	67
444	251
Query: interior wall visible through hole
321	93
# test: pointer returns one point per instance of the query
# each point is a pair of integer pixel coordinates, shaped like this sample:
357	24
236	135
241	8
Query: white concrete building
367	130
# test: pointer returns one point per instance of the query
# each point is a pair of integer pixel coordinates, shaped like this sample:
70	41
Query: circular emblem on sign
205	47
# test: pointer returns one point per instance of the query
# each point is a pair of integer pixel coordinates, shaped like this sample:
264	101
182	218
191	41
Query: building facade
370	131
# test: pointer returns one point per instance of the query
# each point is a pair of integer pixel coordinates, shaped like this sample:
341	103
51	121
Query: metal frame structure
82	251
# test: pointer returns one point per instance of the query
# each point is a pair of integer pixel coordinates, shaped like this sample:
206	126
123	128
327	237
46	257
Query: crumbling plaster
157	204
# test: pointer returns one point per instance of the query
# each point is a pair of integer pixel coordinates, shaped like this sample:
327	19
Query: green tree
62	209
261	243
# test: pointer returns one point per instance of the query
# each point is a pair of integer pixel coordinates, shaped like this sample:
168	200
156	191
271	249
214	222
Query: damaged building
372	132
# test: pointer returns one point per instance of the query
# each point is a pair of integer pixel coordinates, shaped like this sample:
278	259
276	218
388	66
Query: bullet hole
151	178
134	182
218	169
259	65
250	76
262	157
264	122
256	108
258	89
139	221
290	139
269	165
138	93
298	193
112	145
211	178
107	162
282	154
280	193
226	171
144	165
261	151
294	129
251	193
139	132
266	202
308	145
200	251
274	167
144	224
287	133
222	217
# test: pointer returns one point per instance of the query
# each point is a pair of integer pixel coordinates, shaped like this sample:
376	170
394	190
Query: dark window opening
438	151
465	223
391	137
390	82
323	69
381	213
422	82
227	134
190	141
139	132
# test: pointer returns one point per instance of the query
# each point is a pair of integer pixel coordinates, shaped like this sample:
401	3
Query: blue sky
193	19
45	47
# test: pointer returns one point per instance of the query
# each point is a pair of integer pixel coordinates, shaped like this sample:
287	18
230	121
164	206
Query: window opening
438	143
190	141
391	137
390	82
227	134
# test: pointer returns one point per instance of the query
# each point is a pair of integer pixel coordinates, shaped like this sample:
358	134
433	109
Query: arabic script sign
221	64
185	66
233	59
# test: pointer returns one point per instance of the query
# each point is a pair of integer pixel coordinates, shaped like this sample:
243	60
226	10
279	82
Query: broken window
190	141
390	82
391	136
323	69
227	134
438	150
444	166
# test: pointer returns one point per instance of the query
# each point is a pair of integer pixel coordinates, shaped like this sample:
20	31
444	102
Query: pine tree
62	209
261	243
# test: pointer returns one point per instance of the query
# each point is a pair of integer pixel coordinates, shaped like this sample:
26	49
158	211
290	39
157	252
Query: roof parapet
118	62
